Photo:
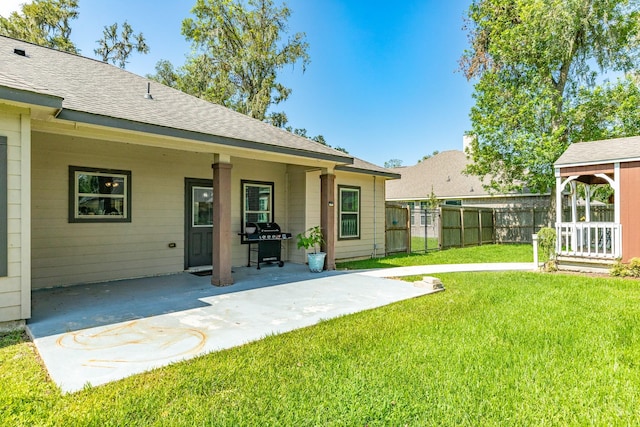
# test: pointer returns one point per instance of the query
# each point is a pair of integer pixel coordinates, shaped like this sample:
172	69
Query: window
99	195
423	213
257	201
349	212
412	206
202	212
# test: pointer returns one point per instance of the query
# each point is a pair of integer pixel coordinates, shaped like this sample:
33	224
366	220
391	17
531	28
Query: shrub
547	242
547	245
632	269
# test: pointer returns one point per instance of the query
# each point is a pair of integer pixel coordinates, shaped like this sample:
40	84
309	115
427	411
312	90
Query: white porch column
587	203
616	207
558	198
574	216
616	192
559	187
574	202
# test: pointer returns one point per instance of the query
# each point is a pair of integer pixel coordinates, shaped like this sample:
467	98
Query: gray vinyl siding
15	302
3	207
296	212
372	217
66	253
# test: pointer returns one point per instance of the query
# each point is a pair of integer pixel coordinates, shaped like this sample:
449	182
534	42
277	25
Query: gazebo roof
599	152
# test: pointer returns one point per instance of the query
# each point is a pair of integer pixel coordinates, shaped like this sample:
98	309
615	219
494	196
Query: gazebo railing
589	239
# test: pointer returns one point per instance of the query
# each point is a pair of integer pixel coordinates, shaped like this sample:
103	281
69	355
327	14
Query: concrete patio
97	333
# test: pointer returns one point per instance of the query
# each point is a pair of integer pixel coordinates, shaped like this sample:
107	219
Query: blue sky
382	82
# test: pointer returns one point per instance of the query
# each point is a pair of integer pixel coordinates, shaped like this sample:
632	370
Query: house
443	175
108	175
585	240
517	215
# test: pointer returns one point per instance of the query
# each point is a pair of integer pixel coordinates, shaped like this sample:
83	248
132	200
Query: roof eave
347	168
478	196
130	125
595	163
30	97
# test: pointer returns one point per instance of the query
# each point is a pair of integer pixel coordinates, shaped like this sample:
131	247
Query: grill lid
263	227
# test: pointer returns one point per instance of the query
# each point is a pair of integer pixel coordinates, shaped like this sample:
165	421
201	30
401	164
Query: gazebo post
587	203
574	216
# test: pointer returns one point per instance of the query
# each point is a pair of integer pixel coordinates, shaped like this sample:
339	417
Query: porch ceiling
592	179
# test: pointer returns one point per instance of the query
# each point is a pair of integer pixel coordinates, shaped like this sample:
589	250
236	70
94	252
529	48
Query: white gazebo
613	162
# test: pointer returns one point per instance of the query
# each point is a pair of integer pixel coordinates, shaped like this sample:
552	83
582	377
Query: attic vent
20	52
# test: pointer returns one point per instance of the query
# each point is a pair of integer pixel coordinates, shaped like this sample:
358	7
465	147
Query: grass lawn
493	349
473	254
420	244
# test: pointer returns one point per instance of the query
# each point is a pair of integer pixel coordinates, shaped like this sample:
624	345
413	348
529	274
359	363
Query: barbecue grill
267	236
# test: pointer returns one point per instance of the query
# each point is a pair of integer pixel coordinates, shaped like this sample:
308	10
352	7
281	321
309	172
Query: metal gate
425	229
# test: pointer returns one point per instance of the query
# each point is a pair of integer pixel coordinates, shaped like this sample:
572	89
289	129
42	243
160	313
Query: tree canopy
116	48
393	163
43	22
540	70
238	51
47	23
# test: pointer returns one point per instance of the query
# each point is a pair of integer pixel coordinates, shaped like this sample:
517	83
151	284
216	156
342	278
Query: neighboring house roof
90	91
599	152
444	173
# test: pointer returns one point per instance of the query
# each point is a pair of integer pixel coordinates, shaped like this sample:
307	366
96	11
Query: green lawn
493	349
421	244
473	254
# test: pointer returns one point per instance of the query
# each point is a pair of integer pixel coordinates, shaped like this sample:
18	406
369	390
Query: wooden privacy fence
461	226
466	226
517	225
397	233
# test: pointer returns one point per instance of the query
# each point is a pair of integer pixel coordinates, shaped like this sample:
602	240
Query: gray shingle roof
99	93
362	166
442	171
598	152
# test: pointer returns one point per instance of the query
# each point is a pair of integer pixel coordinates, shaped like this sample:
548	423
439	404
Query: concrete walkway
417	270
94	334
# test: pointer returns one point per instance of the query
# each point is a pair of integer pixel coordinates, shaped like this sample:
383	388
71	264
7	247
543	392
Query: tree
47	23
537	67
433	202
116	48
428	156
165	74
393	163
281	120
43	22
238	53
320	139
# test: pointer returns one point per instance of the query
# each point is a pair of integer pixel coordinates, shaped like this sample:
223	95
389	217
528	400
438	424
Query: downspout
375	231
